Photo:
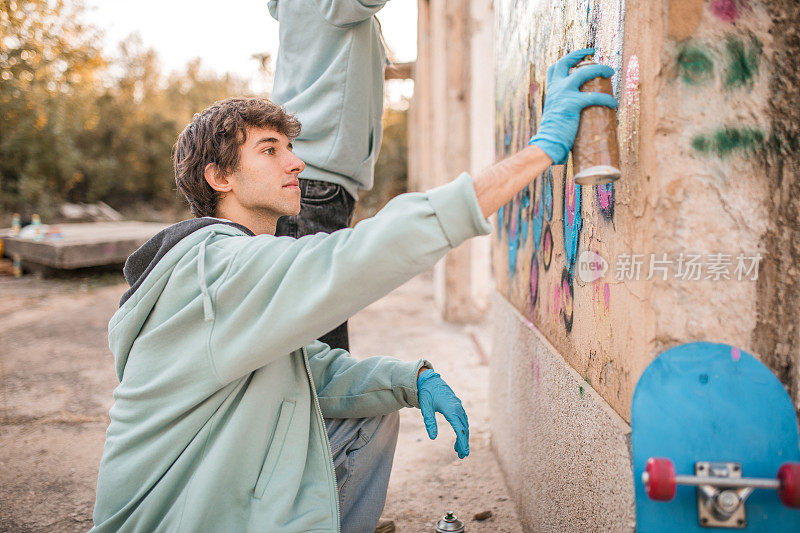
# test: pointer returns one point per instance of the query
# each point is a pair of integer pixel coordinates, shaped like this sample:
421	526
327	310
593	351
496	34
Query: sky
224	34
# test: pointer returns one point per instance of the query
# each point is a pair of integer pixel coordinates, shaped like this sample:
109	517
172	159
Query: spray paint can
449	524
595	153
36	222
17	266
16	224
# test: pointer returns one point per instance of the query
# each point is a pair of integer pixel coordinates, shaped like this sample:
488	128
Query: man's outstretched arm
284	293
497	185
563	103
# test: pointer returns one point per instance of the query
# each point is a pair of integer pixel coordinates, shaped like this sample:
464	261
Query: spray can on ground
449	524
17	266
16	224
36	222
595	153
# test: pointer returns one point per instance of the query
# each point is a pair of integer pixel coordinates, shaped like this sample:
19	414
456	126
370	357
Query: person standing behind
329	72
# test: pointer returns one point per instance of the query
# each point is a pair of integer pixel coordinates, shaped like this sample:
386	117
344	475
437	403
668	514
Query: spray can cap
450	524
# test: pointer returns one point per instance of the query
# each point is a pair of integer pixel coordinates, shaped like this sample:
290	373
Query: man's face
266	181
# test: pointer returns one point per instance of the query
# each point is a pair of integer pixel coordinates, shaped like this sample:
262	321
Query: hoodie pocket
275	447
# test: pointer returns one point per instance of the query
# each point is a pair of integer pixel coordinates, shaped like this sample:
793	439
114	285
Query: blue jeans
324	207
363	451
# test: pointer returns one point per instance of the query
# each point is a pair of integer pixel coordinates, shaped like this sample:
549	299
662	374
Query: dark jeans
324	207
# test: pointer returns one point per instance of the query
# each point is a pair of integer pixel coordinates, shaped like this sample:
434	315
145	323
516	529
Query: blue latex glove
436	396
563	102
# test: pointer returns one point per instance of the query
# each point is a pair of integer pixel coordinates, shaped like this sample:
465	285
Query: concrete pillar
451	117
451	88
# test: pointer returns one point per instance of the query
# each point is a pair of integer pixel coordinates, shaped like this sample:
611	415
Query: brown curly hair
214	136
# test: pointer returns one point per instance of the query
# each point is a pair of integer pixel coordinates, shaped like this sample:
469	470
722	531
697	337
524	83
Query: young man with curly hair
229	415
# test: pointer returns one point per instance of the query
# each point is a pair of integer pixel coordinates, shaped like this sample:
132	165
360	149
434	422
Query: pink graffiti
607	296
605	195
728	10
570	200
567	297
735	353
536	373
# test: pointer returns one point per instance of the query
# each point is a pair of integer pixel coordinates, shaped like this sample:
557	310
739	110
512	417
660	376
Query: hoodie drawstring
208	310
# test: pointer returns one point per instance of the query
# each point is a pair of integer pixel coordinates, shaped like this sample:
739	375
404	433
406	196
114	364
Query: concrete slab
564	451
84	245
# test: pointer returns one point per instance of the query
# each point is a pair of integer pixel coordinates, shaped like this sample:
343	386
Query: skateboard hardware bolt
727	501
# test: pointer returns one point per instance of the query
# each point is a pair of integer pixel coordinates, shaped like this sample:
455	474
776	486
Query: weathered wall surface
776	336
701	235
563	450
542	232
714	130
705	204
565	359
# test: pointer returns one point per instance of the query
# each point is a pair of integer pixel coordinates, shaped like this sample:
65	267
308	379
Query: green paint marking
581	390
725	141
742	62
694	65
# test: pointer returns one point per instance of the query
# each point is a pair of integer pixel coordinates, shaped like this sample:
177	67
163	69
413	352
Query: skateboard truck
721	489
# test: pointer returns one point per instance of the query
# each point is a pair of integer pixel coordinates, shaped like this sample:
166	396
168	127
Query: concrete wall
563	450
709	142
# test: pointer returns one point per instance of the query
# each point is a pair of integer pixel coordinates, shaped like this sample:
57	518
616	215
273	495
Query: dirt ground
57	378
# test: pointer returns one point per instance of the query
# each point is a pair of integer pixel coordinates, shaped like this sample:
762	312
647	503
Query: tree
49	63
80	127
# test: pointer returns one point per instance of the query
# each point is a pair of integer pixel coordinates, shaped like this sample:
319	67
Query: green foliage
80	127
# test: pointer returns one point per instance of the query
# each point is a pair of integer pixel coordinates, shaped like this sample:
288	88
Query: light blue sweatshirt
217	423
329	71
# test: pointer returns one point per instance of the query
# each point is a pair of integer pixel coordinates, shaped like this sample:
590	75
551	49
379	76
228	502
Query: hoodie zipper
331	467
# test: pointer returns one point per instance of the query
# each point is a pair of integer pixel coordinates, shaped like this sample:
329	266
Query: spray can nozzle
449	524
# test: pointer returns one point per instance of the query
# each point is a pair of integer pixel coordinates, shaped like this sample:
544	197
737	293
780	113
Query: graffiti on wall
572	218
729	10
538	239
731	59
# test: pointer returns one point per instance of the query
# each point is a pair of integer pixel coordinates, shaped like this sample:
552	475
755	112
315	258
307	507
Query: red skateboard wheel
661	479
789	491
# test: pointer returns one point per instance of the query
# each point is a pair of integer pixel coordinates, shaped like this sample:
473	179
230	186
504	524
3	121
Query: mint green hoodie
217	423
329	71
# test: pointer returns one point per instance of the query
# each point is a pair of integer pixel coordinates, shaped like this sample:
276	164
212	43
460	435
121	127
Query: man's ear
218	180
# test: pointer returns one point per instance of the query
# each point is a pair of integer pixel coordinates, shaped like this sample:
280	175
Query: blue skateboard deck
712	402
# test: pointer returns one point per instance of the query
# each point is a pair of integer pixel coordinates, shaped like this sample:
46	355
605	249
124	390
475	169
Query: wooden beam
400	71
